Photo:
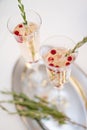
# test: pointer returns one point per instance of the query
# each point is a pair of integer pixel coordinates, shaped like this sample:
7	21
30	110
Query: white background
65	17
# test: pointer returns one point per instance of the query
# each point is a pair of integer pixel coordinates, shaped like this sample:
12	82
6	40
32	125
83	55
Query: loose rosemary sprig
78	45
37	109
22	10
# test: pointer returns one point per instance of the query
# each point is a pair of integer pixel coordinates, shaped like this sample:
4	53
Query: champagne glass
28	39
27	36
58	61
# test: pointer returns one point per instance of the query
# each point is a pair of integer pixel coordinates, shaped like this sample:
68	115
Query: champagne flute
28	39
58	61
27	36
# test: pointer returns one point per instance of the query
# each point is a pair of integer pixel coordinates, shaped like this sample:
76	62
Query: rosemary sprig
37	109
78	45
22	10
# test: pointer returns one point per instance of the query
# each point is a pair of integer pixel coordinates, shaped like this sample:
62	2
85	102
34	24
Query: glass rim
51	47
56	36
29	10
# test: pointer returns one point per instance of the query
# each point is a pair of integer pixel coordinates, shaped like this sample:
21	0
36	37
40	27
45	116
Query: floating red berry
16	32
20	39
69	58
50	69
53	52
67	63
58	72
20	25
57	66
50	59
51	64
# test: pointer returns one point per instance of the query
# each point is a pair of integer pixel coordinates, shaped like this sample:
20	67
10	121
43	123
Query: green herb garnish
37	109
78	45
23	14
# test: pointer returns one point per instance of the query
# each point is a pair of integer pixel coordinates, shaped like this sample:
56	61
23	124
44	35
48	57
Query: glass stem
59	95
59	98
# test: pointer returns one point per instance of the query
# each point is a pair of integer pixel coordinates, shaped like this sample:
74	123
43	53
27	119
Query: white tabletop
61	17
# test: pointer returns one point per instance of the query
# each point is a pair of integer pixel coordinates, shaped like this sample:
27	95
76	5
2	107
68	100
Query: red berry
50	59
53	52
51	64
16	32
58	72
20	39
69	58
50	70
67	63
57	66
20	25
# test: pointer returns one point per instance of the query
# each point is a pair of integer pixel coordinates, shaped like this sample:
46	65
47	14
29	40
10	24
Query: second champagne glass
58	62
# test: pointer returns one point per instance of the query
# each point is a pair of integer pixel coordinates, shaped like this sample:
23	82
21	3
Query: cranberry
53	52
16	33
58	72
50	70
69	58
67	63
20	39
57	66
51	64
50	59
20	25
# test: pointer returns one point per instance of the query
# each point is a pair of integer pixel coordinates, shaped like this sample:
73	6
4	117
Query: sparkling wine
58	64
28	38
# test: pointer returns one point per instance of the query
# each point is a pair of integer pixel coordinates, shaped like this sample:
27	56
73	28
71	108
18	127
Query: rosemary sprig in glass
78	45
22	10
37	109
